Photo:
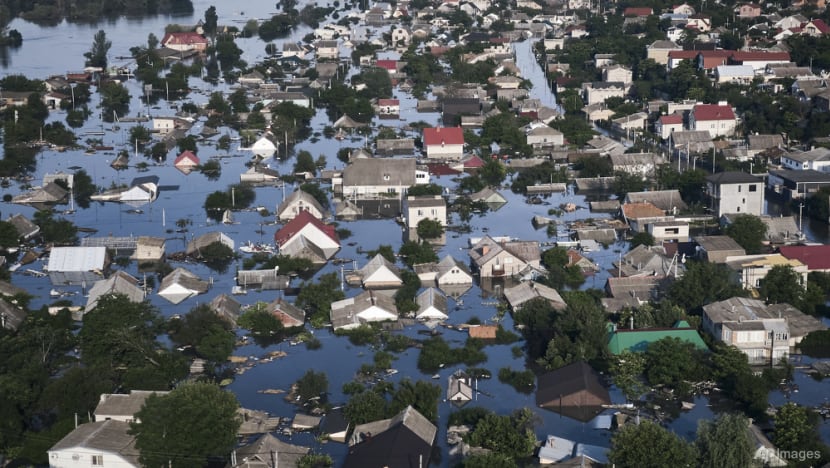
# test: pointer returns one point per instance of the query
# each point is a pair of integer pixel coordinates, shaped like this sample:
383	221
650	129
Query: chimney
485	250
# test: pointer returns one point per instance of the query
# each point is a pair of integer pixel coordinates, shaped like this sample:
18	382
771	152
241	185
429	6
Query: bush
522	381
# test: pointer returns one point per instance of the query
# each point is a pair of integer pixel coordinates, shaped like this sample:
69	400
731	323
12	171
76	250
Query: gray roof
106	436
431	297
635	159
817	154
426	201
123	405
77	258
488	195
448	263
717	243
261	453
391	172
25	228
305	197
10	316
733	177
762	142
205	240
527	291
344	312
119	283
376	263
227	307
666	200
409	418
780	228
806	175
184	278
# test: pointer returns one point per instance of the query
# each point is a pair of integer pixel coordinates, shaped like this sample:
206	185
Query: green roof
638	340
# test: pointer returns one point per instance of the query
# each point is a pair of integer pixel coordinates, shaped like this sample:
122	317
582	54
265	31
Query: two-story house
327	50
507	258
598	92
717	119
425	207
668	124
374	177
750	270
444	143
735	192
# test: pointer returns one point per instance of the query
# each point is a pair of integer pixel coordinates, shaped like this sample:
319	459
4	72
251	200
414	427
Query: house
264	148
750	270
564	452
668	124
581	262
305	422
800	184
291	49
376	176
252	79
50	193
685	143
659	51
673	230
617	73
380	273
542	136
782	230
816	27
763	451
25	228
735	192
598	92
335	426
637	340
748	10
519	295
740	74
186	162
451	272
327	49
195	245
490	196
640	215
717	119
401	36
574	391
759	143
149	249
759	60
459	387
815	257
142	190
645	260
122	406
402	441
164	125
419	208
444	143
102	443
699	22
288	314
630	292
432	305
508	258
817	159
388	107
716	249
483	332
227	308
298	202
637	12
185	41
395	146
11	316
764	333
181	284
258	174
669	201
77	265
267	451
306	236
120	283
454	107
641	164
367	306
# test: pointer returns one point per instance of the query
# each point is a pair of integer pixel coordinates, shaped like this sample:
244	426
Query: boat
227	217
259	247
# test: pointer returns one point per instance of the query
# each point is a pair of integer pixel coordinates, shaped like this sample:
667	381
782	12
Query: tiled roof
443	135
672	119
298	223
816	257
180	38
641	210
704	112
760	55
637	11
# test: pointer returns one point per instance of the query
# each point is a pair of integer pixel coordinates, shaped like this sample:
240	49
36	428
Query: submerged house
432	305
402	441
637	340
574	391
181	284
459	388
77	265
142	190
288	314
267	451
367	306
380	273
507	258
307	237
298	202
194	246
119	283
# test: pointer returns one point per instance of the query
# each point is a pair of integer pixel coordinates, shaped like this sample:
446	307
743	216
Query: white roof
735	70
77	258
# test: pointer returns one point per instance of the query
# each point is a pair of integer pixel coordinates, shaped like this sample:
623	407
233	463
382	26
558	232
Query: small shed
305	422
459	389
181	284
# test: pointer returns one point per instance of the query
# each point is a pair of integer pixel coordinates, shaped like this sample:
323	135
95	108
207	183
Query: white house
717	119
425	207
306	236
298	202
742	74
667	124
328	49
122	406
367	306
106	444
432	305
617	73
735	192
541	135
264	148
444	143
817	159
77	265
598	92
750	270
745	324
376	176
181	284
452	272
380	273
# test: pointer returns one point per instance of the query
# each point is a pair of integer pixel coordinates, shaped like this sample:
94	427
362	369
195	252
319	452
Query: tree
414	253
260	321
312	385
648	445
210	335
429	229
115	99
366	406
421	395
626	371
702	283
305	163
671	361
724	442
211	21
191	424
748	231
507	435
97	55
316	298
782	284
641	238
9	237
493	172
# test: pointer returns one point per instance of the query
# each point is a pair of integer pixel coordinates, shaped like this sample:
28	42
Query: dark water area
185	194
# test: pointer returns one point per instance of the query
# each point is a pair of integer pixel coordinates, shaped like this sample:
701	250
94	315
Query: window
672	230
739	189
753	188
420	212
98	460
743	200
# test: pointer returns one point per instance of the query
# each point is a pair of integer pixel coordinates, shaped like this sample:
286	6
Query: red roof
438	50
443	136
389	102
672	119
816	257
182	38
186	155
821	26
441	169
473	162
703	112
683	54
760	56
391	65
637	11
298	223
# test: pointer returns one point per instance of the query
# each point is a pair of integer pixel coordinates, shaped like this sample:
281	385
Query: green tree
58	231
9	237
366	406
724	442
312	385
782	284
316	298
641	238
429	229
97	55
507	435
493	172
191	424
260	321
626	371
211	21
795	428
702	283
424	190
385	250
489	460
421	395
748	231
305	163
210	335
648	445
672	361
414	253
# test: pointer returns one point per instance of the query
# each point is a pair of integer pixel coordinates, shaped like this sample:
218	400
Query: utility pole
800	219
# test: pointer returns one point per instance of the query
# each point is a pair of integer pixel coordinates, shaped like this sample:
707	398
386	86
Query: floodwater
184	195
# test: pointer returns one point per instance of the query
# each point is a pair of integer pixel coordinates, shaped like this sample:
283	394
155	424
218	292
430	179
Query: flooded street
182	197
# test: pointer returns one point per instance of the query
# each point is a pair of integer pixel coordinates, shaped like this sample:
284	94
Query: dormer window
386	177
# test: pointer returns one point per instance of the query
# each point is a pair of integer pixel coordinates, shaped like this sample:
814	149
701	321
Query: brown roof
641	210
483	332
